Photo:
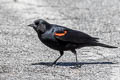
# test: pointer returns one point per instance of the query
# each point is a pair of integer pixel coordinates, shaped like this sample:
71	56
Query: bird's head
39	25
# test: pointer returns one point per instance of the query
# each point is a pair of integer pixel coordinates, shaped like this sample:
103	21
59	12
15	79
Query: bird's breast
50	41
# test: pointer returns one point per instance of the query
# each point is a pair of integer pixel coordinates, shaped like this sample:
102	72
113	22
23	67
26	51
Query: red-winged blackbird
62	39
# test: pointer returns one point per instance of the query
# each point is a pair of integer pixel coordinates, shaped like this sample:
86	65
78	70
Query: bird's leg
61	54
73	51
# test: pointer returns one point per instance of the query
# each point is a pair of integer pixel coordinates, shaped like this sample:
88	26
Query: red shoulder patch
61	34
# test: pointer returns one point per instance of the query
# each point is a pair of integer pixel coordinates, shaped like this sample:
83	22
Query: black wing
73	36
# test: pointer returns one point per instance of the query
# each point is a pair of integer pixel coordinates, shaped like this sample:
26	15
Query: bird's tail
104	45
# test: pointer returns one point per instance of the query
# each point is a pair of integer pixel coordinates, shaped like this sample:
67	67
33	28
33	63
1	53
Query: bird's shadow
72	63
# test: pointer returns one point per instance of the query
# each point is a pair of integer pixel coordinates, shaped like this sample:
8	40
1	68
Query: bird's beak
31	25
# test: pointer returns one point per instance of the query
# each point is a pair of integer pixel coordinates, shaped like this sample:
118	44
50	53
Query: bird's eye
36	23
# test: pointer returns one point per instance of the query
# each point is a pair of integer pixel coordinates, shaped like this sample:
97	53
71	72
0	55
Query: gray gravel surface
20	47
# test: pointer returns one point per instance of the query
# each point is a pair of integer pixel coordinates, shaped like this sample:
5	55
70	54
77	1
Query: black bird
62	39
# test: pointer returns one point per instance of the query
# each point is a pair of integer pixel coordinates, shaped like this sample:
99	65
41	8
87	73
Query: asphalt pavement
24	57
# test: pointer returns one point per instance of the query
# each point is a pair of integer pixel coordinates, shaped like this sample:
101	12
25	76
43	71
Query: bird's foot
53	64
76	66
